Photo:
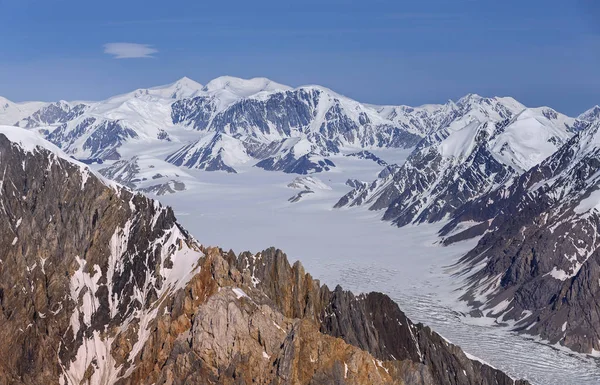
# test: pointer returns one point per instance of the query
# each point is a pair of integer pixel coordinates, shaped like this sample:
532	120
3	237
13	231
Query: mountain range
521	180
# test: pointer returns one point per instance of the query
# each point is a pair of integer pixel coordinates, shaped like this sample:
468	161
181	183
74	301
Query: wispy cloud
129	50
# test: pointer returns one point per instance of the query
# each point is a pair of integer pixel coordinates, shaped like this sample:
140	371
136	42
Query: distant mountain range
235	121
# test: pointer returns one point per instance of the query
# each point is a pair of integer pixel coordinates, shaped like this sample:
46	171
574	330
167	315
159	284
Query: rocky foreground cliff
102	286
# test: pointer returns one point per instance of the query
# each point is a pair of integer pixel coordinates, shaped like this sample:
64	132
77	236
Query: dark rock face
539	247
197	111
205	156
291	114
80	262
55	113
300	195
105	137
101	286
368	155
306	164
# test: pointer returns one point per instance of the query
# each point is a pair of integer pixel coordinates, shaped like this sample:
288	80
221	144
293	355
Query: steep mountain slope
212	153
101	286
53	113
288	113
83	266
482	144
147	174
592	115
538	262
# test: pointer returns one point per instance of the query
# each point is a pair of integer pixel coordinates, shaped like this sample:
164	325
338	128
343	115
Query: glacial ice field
352	247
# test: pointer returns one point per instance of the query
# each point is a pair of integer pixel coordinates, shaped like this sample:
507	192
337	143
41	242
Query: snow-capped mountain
230	122
297	156
99	129
592	115
538	262
213	152
480	145
279	114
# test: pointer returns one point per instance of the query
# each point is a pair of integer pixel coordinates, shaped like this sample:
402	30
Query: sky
542	52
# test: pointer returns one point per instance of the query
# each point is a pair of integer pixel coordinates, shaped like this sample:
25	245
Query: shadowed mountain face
101	286
537	262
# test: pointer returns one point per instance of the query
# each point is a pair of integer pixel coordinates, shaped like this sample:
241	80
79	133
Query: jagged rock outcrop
371	322
368	155
54	113
292	164
91	137
99	285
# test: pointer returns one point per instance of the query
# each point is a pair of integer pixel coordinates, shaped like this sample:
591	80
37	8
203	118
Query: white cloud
129	50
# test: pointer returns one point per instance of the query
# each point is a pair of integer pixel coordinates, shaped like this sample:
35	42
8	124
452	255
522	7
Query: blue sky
385	52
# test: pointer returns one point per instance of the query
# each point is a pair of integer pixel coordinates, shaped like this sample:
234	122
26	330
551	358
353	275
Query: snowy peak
182	88
591	115
474	107
243	88
531	137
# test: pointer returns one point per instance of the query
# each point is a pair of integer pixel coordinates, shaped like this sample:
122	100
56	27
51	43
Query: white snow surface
526	141
30	141
11	113
592	202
